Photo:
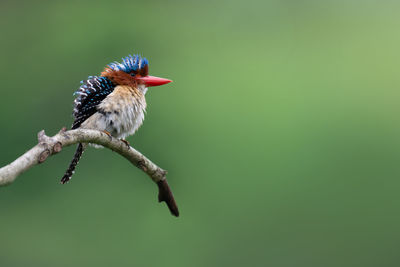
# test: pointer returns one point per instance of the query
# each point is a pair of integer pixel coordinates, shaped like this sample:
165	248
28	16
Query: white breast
121	113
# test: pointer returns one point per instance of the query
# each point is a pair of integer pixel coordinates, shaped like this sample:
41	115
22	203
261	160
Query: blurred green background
280	134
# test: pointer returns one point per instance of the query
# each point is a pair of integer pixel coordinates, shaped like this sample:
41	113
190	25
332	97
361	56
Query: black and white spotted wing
90	94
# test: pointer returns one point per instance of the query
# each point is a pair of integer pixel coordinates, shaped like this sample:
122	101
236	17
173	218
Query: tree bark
49	146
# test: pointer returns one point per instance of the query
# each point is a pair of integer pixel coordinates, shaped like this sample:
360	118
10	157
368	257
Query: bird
113	102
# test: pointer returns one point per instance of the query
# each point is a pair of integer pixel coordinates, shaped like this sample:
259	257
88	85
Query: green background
280	134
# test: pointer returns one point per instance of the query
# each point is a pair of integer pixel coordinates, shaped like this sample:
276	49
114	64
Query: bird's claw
107	133
126	142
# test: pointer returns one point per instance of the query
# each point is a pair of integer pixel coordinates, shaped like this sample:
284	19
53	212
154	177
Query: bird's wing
90	94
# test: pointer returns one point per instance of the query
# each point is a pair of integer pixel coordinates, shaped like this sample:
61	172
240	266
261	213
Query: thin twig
49	146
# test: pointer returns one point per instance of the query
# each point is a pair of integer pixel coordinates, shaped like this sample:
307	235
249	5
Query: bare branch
48	146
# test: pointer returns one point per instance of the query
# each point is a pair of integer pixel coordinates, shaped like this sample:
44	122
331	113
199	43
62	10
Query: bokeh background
280	134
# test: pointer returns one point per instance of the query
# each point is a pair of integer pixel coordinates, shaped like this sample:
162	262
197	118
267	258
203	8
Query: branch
48	146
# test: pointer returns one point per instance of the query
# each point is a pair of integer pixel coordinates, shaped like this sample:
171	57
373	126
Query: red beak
152	80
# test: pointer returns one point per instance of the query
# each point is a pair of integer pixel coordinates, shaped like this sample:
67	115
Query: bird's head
132	71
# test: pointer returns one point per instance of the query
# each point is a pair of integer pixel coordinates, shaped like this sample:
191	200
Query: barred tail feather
71	169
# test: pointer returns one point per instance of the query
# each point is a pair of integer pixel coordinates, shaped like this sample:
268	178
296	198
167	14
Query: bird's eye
132	74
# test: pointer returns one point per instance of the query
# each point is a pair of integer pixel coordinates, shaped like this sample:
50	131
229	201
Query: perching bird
113	102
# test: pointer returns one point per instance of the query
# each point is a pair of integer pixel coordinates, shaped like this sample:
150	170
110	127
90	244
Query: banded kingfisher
114	103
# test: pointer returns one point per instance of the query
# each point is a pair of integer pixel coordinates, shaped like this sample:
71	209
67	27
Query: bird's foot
126	142
107	133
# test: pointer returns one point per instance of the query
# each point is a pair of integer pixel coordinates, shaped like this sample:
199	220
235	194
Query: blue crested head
131	64
132	71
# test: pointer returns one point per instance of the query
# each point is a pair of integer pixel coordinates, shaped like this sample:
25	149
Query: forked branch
48	146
